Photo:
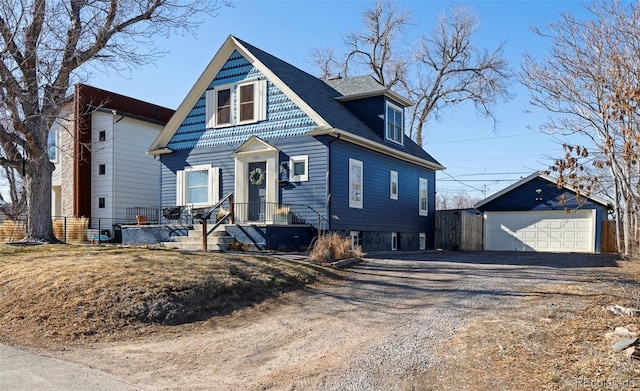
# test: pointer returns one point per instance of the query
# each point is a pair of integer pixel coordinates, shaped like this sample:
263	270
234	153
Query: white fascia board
209	74
282	86
374	146
194	94
159	151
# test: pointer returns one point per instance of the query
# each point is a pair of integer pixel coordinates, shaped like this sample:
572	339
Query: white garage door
551	231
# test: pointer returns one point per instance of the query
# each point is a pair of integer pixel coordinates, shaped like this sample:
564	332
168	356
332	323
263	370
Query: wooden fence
458	230
608	242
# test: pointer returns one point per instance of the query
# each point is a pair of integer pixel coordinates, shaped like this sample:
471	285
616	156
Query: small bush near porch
333	247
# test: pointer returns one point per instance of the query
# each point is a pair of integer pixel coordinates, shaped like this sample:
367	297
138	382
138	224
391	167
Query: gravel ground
379	329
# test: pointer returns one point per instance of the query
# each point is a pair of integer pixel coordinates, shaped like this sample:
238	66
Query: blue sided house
290	155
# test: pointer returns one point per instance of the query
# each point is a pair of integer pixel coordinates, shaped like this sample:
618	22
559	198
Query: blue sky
479	159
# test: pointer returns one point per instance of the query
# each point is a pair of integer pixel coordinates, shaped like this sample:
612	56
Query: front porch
261	225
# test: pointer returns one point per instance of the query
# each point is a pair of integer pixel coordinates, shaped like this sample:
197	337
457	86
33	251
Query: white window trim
393	178
103	196
386	122
394	241
213	191
299	159
423	212
259	106
355	203
211	106
422	243
356	239
105	168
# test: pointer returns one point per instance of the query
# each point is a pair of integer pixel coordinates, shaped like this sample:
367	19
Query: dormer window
236	104
394	122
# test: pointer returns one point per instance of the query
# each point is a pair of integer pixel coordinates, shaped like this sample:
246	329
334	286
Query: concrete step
198	234
217	240
210	239
192	246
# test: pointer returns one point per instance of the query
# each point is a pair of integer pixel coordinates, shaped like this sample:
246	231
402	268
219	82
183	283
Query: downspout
113	164
328	195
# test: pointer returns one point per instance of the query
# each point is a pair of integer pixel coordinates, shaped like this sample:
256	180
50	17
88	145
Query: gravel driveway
380	328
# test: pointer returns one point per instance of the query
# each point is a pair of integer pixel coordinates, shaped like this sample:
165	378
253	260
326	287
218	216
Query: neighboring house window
102	169
423	241
236	104
197	186
394	123
393	185
299	168
102	202
355	183
424	197
394	241
52	148
102	135
356	239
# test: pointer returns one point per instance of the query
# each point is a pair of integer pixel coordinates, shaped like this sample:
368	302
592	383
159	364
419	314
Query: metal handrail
206	215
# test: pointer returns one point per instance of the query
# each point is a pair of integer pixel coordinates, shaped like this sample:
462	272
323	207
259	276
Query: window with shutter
236	104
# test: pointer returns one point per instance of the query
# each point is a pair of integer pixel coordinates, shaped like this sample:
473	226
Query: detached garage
530	216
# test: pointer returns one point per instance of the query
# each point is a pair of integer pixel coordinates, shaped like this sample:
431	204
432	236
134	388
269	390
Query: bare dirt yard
419	321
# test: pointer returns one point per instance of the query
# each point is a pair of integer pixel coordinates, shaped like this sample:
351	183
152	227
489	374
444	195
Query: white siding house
100	148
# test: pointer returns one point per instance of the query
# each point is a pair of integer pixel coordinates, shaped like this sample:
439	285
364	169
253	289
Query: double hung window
394	124
423	197
236	104
197	186
355	184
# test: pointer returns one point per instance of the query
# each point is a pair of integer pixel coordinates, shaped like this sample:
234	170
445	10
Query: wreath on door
257	176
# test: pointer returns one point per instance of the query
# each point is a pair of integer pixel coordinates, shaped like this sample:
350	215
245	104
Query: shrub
238	246
333	247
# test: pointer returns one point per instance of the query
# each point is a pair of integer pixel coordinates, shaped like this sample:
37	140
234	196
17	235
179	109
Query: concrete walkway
24	370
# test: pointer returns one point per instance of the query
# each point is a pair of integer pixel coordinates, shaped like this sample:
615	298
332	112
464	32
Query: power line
462	183
484	138
496	173
479	180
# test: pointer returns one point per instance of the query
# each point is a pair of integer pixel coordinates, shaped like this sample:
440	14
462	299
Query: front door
257	191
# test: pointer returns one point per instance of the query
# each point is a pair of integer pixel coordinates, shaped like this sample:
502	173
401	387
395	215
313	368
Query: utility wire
460	182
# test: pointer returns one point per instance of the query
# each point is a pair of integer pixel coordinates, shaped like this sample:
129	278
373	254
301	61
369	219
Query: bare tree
459	199
445	70
589	83
45	46
374	49
450	70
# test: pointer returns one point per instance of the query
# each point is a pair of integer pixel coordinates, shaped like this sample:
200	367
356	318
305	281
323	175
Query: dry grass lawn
59	294
554	339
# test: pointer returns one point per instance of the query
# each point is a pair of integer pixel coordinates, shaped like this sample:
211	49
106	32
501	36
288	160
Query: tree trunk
37	183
